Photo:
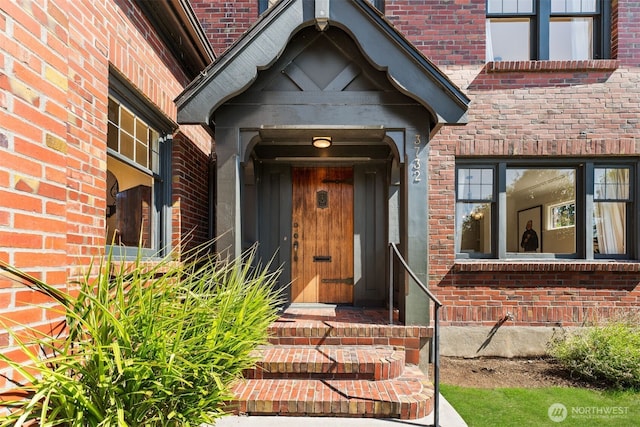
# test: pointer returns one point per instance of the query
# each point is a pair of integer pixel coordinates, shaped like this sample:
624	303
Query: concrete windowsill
547	66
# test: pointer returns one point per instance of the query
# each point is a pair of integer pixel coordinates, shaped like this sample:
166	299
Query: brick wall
54	57
190	194
444	37
225	21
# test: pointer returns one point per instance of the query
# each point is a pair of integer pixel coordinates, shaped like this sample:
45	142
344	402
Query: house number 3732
416	164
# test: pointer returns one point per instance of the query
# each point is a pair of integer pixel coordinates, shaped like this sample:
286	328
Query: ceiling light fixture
321	141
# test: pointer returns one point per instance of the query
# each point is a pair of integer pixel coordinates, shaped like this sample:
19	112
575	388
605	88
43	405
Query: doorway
322	235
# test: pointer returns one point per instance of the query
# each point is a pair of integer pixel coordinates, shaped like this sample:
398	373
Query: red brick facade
55	59
54	83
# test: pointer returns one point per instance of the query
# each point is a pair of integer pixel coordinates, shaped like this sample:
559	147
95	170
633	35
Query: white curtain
610	217
580	39
489	43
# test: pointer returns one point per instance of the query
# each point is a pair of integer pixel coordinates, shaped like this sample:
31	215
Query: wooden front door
322	243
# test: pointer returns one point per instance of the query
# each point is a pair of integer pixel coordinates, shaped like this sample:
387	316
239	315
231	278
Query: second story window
522	30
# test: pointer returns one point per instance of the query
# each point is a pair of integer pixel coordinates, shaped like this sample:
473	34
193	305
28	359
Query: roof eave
180	29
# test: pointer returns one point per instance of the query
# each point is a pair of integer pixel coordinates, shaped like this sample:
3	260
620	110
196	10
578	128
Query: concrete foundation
508	341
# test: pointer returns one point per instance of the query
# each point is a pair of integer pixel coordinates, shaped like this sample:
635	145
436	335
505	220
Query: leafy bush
153	345
608	353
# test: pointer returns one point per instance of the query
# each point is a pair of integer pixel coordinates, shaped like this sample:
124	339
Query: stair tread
327	328
408	396
356	362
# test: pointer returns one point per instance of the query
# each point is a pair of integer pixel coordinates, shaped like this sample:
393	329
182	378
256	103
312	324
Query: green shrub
153	345
607	353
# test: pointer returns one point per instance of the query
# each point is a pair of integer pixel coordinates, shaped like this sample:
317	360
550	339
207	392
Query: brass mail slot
346	280
321	258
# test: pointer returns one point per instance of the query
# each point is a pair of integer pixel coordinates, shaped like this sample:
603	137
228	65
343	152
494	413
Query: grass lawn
533	407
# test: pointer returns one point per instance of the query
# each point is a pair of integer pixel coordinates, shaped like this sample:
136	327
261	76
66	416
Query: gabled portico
336	69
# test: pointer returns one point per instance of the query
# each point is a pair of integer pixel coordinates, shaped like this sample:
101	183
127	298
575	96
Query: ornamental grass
144	344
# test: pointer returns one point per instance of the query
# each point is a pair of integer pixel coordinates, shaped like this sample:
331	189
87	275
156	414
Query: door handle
295	250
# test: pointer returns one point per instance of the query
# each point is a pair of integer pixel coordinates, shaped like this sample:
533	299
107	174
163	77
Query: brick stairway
337	362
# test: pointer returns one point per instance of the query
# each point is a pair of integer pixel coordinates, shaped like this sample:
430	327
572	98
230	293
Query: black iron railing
394	252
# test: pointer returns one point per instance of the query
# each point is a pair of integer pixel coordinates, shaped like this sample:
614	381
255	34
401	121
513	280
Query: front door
322	244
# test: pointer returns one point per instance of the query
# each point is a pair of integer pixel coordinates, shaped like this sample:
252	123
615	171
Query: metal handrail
393	250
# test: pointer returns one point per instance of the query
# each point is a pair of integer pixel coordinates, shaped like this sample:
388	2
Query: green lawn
531	407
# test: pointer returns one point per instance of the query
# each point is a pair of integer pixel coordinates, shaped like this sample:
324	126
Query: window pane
473	228
532	194
609	230
611	183
142	154
510	6
571	38
475	184
129	219
154	153
126	121
126	145
509	39
141	131
573	6
112	137
113	112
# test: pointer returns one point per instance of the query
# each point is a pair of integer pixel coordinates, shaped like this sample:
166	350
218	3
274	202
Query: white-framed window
561	215
575	209
138	193
520	30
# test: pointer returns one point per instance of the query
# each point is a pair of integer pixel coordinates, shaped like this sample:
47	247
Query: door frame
268	198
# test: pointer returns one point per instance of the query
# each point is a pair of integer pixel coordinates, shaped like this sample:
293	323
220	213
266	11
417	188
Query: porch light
321	141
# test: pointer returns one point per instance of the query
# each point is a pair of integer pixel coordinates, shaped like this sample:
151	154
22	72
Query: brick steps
337	362
407	397
314	332
328	362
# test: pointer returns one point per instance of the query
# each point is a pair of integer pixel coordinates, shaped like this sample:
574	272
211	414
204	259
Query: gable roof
387	49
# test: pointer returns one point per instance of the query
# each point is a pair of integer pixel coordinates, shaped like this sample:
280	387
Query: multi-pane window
611	202
519	30
132	162
574	211
138	172
474	210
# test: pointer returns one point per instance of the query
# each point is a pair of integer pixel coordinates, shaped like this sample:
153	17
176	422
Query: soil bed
485	372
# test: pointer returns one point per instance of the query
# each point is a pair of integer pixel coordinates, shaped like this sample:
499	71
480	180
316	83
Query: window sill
541	66
546	266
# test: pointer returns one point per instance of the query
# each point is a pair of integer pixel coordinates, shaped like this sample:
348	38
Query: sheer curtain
489	42
580	38
610	217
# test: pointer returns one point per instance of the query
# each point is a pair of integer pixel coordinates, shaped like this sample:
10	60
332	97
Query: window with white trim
577	209
522	30
138	173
